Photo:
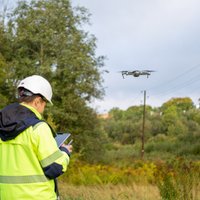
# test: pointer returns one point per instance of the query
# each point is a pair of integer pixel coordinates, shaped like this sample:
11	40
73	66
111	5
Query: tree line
172	128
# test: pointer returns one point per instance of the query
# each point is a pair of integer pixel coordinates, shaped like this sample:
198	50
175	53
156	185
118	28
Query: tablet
61	137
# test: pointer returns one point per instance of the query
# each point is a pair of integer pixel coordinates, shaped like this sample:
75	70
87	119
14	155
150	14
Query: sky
160	35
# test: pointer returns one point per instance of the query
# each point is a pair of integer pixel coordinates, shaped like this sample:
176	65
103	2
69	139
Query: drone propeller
123	71
149	70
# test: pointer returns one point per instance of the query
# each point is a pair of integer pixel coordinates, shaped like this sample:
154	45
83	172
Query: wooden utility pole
137	73
143	125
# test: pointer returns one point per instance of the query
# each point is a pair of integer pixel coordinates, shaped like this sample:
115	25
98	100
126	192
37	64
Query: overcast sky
161	35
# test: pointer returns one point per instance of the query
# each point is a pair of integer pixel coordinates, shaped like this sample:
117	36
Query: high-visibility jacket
30	162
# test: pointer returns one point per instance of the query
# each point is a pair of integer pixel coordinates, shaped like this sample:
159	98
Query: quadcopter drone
137	73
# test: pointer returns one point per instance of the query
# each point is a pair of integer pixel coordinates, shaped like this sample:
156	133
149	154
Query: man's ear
36	101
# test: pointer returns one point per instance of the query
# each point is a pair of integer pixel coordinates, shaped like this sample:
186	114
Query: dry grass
109	192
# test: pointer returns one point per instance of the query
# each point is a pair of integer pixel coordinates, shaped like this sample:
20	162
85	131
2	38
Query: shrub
178	180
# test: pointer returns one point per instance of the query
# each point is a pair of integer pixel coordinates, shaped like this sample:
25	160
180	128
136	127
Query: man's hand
68	147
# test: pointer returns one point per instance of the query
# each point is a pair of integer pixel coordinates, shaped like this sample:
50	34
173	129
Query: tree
182	104
47	40
6	61
172	122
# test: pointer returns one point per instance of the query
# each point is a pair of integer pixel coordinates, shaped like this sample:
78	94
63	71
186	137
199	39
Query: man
30	160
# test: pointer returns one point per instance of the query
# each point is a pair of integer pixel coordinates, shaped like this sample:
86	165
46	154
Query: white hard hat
37	85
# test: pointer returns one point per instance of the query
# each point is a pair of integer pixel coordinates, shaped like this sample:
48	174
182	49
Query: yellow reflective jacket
25	162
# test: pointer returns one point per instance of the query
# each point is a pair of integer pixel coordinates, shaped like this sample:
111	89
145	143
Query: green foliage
161	146
182	104
189	146
169	130
178	180
45	37
6	79
87	174
164	147
170	120
167	190
125	126
120	155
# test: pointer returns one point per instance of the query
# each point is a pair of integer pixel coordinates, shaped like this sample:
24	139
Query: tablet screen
60	138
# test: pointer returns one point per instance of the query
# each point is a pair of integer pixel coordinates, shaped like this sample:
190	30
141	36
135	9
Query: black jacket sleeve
53	171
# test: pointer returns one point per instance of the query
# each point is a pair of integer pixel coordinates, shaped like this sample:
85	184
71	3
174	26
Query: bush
178	180
161	146
87	174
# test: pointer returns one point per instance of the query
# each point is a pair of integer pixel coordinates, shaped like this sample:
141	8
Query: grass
173	179
109	192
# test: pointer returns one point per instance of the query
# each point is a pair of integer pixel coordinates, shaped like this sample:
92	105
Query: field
109	192
177	179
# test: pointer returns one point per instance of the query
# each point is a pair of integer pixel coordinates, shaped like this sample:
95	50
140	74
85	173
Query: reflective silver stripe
36	125
23	179
50	159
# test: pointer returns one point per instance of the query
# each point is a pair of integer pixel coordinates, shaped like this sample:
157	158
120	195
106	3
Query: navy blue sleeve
52	171
65	150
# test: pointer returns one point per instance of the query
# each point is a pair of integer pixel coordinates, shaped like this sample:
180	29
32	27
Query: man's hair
26	96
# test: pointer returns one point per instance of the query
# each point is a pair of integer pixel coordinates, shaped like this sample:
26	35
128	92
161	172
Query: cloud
162	35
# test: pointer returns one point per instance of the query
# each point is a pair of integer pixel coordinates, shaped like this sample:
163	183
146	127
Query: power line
180	86
177	77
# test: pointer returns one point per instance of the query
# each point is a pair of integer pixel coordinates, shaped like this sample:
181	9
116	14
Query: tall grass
179	180
109	192
86	174
176	179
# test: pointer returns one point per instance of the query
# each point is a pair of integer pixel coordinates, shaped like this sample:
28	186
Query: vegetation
171	163
170	130
45	37
175	179
109	192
